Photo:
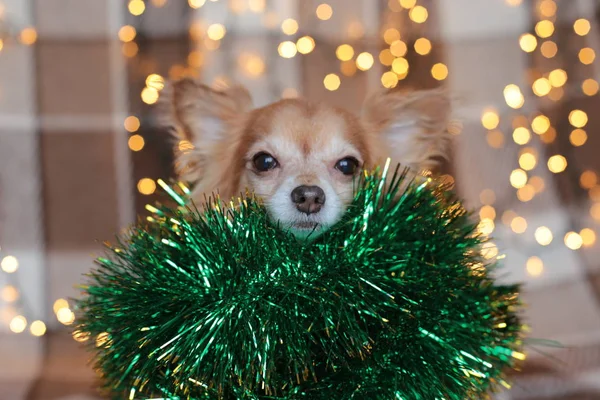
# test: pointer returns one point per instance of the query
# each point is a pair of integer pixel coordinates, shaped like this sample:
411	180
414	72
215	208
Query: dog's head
300	157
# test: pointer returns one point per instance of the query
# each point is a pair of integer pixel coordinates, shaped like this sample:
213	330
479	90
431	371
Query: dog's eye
264	162
347	166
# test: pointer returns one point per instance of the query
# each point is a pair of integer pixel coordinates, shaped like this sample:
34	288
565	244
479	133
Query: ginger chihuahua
299	157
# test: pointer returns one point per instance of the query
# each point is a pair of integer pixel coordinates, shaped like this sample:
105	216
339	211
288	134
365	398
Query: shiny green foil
395	302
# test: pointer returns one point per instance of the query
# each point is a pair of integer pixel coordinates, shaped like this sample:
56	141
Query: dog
300	157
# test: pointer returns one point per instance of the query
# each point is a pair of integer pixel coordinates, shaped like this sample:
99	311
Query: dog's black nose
308	199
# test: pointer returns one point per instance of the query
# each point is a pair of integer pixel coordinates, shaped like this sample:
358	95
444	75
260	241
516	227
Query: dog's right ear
200	114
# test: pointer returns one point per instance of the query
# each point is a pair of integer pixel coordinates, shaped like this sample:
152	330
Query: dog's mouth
305	225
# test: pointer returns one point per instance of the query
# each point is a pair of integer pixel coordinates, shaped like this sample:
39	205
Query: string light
543	235
348	68
557	163
518	178
527	161
534	266
578	118
558	77
185	146
130	49
149	95
398	48
216	31
540	124
324	12
344	52
305	44
422	46
146	186
332	82
136	143
528	42
513	96
59	304
587	55
526	193
487	197
391	35
287	49
439	71
541	87
548	8
518	225
537	183
364	61
389	79
9	264
521	135
9	294
386	57
578	137
408	4
418	14
588	179
490	119
289	26
155	81
127	33
400	66
28	36
582	27
18	324
136	7
37	328
495	139
488	212
588	237
595	211
544	28
549	49
196	3
589	87
573	240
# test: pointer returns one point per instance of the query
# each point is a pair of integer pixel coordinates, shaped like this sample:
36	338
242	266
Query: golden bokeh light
391	35
332	82
60	303
158	3
9	264
578	118
127	33
541	87
324	12
216	31
251	64
418	14
590	87
547	8
408	4
136	7
534	266
543	235
398	48
540	124
587	55
537	183
513	96
287	49
518	178
595	193
149	95
573	240
386	57
195	59
508	216
527	161
344	52
588	179
305	44
130	49
488	212
185	146
37	328
558	77
80	336
28	36
422	46
65	316
1	44
355	30
557	163
595	211
490	119
136	143
521	135
556	94
9	294
528	42
526	193
289	26
257	6
18	324
155	81
578	137
146	186
487	197
348	68
518	225
588	237
549	136
389	79
364	61
196	3
400	66
544	28
549	49
495	139
486	227
489	250
439	71
582	27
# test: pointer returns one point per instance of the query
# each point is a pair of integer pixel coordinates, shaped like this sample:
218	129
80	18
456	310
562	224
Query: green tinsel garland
395	302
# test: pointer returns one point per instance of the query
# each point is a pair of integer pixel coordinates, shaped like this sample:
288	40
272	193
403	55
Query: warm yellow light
534	266
195	59
588	237
196	3
158	3
155	81
513	96
513	3
287	49
578	137
146	186
28	36
60	303
127	33
540	124
573	240
136	7
595	211
508	216
549	49
305	44
332	82
422	46
364	61
490	119
355	30
251	64
216	31
149	95
495	139
408	4
9	294
558	77
589	87
185	146
537	183
521	135
587	55
526	193
541	87
324	11
548	136
102	339
289	26
487	197
439	71
37	328
557	163
588	179
548	8
389	79
136	143
486	227
527	161
18	324
400	66
65	316
489	250
544	28
130	49
595	193
398	48
418	14
543	235
257	6
289	93
344	52
528	42
391	35
578	118
386	58
518	178
518	225
348	68
80	336
9	264
1	44
582	27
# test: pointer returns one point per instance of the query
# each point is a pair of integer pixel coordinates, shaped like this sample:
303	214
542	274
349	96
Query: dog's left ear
413	125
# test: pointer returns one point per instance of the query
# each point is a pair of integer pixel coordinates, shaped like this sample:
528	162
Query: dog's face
300	158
